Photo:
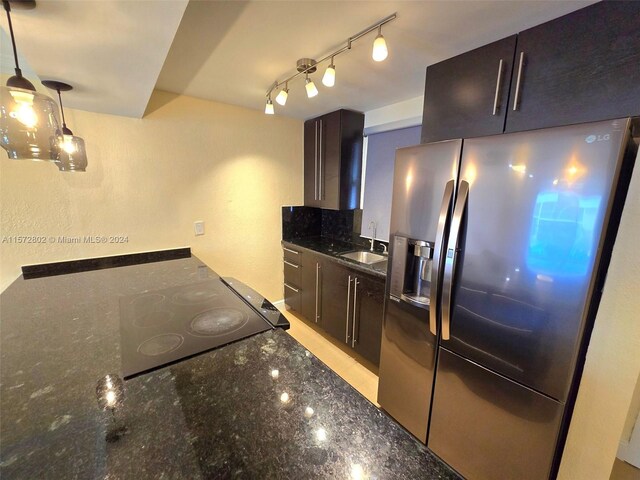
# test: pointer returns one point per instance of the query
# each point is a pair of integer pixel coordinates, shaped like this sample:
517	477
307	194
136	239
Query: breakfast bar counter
263	407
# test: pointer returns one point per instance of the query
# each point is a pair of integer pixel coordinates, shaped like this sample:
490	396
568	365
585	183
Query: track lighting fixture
312	91
306	66
28	119
282	96
71	154
380	51
329	78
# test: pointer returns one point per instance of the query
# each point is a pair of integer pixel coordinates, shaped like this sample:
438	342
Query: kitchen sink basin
367	258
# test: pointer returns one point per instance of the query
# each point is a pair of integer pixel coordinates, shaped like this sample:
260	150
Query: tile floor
363	376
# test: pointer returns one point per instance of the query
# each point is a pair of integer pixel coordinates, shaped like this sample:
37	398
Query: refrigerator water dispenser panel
411	271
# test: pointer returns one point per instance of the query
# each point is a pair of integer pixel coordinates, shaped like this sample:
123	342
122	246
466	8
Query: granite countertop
333	248
221	414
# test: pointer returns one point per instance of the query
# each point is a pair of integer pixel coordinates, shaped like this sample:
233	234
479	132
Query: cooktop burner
164	343
164	326
217	321
193	296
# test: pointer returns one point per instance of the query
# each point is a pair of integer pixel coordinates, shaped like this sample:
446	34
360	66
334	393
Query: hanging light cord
64	123
7	8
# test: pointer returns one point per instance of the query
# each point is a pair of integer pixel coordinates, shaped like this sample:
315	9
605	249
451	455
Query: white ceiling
233	51
113	51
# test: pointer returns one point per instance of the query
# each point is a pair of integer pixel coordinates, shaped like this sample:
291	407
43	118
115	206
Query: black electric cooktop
163	326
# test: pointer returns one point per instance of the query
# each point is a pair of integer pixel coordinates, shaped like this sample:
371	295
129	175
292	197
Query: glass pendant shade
380	51
29	125
312	91
72	156
329	78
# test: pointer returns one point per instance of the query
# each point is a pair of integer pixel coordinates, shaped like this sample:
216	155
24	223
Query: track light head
380	51
312	91
268	108
329	78
282	96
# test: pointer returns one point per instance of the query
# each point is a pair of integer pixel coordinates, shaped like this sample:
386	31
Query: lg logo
598	138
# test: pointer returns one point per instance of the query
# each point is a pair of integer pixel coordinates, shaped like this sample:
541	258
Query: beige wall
150	179
613	358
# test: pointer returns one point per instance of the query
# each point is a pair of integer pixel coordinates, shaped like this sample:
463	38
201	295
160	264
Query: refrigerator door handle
445	209
450	257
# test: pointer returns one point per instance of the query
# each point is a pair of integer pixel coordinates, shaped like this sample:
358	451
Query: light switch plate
199	227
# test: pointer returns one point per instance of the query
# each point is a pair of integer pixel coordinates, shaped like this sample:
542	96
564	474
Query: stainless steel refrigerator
498	251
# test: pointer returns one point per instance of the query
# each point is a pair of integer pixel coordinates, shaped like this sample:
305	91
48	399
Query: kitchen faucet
372	224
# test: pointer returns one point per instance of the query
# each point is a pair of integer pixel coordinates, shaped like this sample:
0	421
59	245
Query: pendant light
71	153
28	120
380	51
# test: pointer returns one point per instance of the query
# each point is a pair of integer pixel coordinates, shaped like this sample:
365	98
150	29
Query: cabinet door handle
496	99
320	162
315	154
317	289
516	97
355	303
292	264
346	333
290	251
290	287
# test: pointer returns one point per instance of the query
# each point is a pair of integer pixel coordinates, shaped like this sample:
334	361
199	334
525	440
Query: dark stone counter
333	248
217	415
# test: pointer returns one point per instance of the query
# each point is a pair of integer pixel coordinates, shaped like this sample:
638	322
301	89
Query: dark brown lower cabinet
352	304
291	269
367	317
345	303
335	300
310	286
291	296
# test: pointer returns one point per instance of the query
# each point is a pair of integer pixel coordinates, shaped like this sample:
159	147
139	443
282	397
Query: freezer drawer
407	364
488	427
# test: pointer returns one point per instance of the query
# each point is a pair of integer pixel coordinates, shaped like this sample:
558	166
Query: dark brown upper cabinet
333	160
467	95
582	67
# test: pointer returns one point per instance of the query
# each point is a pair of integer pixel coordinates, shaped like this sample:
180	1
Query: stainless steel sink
367	258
